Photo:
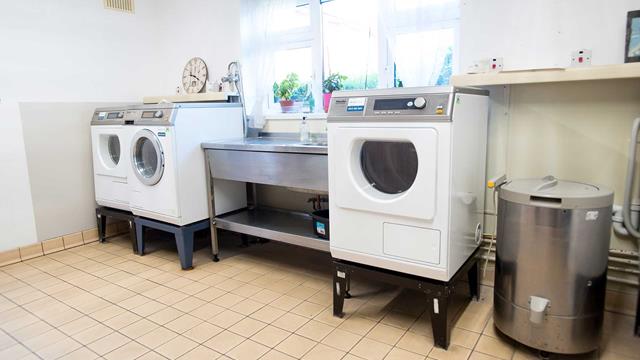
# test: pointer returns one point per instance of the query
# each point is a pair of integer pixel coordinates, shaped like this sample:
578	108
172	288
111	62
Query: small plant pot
290	106
326	100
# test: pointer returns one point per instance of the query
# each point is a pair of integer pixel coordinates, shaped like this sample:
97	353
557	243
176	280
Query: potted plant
333	82
286	92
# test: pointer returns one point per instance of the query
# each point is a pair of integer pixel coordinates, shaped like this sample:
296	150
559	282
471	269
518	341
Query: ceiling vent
120	5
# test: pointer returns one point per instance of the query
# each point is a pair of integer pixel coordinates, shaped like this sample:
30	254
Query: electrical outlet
495	64
581	57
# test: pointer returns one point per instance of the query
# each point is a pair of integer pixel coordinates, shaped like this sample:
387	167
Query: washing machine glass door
147	157
385	170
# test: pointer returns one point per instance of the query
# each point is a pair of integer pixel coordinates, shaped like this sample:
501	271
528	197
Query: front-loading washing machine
406	177
110	140
167	168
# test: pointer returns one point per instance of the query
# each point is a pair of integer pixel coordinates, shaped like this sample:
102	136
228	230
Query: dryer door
147	157
386	170
107	142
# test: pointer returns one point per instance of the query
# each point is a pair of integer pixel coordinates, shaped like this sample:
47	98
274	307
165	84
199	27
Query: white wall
78	53
542	33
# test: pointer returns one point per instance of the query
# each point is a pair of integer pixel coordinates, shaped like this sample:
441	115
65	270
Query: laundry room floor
268	301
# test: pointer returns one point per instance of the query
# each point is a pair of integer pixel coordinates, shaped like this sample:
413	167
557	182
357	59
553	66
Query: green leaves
333	82
287	87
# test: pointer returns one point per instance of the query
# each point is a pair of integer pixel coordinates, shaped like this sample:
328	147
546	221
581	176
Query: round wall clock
194	75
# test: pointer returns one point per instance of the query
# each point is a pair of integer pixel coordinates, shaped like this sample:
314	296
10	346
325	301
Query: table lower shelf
275	224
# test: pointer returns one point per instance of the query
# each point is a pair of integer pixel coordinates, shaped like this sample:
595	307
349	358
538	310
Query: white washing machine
406	177
110	140
167	171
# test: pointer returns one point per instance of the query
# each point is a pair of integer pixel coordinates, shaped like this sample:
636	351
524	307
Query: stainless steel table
270	160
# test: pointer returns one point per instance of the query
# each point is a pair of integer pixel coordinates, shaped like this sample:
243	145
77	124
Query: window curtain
418	35
258	44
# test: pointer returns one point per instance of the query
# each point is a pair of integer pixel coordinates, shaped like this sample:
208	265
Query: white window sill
295	116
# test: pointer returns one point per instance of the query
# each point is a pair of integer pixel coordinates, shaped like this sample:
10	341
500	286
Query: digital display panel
393	104
148	114
113	115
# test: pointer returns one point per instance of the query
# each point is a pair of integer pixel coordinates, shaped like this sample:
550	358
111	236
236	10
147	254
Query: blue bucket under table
183	235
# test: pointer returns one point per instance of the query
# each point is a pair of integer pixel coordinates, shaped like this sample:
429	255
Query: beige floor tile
7	341
78	325
156	337
323	352
165	315
229	284
183	323
267	314
247	276
152	355
247	327
315	330
17	351
82	353
92	334
326	316
129	351
270	336
455	352
176	347
464	337
203	332
45	339
139	328
295	345
308	309
107	313
302	292
28	332
226	319
341	339
399	354
413	342
108	343
276	355
189	304
247	307
200	353
133	302
290	322
286	302
122	320
210	294
248	350
172	297
247	290
207	311
148	308
385	333
357	325
495	347
59	349
265	296
475	317
480	356
370	349
194	288
399	320
224	341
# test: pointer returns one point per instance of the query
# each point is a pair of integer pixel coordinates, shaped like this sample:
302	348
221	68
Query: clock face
194	75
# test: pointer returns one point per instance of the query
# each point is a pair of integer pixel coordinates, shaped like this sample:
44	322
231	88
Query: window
372	44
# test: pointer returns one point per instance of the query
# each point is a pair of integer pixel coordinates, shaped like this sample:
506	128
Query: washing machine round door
147	157
109	149
390	167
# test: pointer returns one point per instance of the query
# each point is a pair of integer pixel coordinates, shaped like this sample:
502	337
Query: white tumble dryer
406	177
110	140
167	171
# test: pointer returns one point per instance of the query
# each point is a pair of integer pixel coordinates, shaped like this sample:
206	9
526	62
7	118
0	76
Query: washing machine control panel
390	106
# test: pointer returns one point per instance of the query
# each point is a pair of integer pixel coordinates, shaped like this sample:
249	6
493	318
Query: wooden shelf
601	72
200	97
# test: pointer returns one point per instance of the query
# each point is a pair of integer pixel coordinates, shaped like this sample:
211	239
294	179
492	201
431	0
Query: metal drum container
551	263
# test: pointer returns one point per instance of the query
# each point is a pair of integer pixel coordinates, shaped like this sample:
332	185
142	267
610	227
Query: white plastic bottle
304	131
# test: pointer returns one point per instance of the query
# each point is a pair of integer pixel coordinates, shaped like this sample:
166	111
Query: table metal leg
439	322
474	280
339	290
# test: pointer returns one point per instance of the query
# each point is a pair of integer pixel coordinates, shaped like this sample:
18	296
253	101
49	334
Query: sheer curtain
259	25
419	37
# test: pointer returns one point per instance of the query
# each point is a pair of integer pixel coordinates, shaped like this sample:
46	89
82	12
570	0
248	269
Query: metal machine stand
438	293
183	234
103	212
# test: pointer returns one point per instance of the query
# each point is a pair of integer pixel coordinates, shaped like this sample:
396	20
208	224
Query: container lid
554	193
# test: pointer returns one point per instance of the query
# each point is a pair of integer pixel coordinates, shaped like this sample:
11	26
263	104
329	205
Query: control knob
419	102
158	114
